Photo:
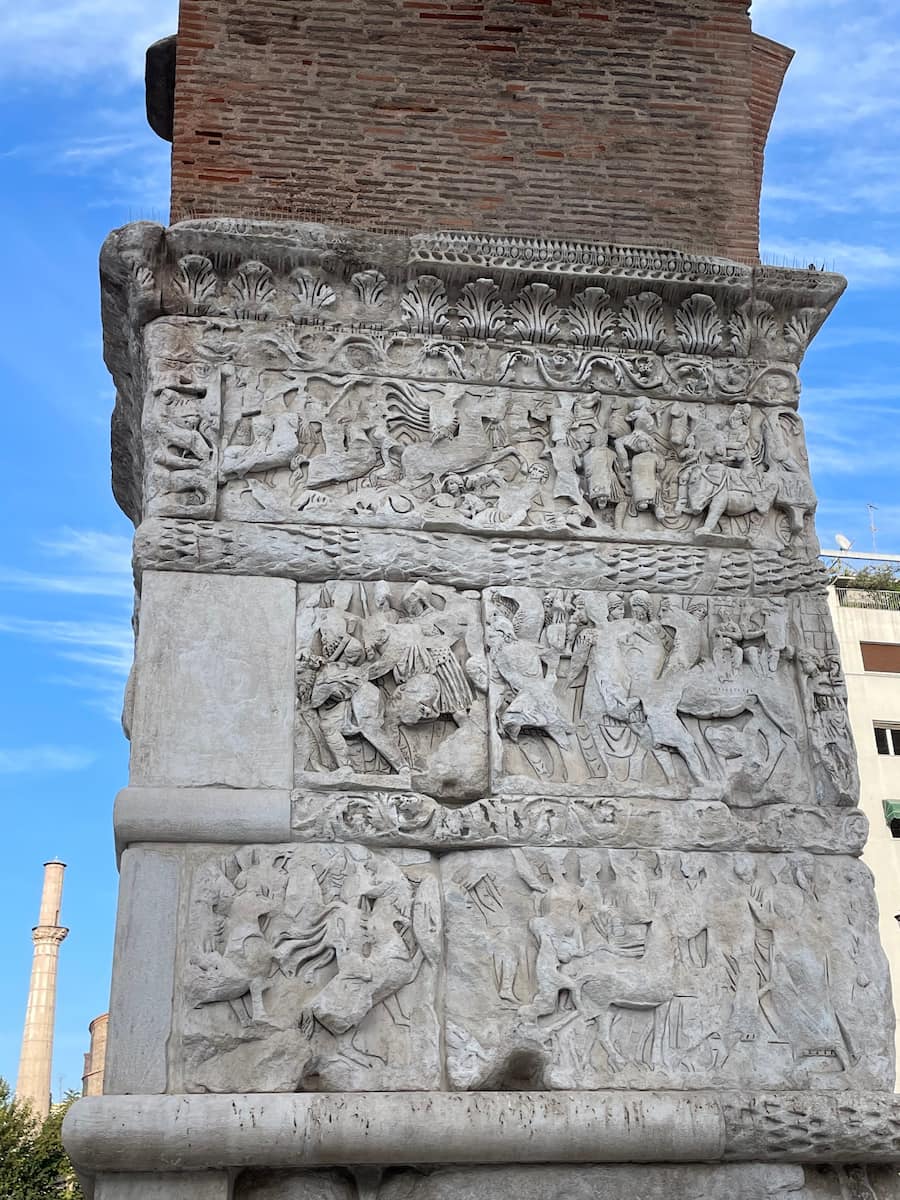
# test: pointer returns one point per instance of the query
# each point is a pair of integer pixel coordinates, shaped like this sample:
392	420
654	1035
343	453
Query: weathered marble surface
486	713
643	969
580	1183
239	422
465	560
411	819
324	967
391	1129
212	683
310	968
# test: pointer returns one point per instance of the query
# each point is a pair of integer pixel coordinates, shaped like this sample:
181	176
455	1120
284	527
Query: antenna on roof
873	508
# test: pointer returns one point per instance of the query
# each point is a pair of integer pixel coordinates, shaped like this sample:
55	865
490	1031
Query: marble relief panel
310	968
609	446
569	693
596	969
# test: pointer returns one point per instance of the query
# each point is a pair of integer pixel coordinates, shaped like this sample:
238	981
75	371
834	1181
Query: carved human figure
557	930
639	457
529	671
603	484
370	924
718	477
184	450
246	958
824	696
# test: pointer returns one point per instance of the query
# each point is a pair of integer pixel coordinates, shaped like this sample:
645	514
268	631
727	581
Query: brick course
624	120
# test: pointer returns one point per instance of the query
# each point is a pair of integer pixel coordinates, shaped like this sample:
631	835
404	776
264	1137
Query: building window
881	656
887	739
892	816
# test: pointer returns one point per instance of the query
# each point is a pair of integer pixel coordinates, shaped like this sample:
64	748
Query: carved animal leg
671	733
395	1011
715	512
603	1024
378	738
258	1009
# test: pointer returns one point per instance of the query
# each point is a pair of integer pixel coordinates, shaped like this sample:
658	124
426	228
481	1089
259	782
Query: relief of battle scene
310	968
624	450
391	683
672	696
618	968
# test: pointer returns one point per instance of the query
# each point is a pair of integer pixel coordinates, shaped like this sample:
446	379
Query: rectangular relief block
629	694
292	424
572	969
214	682
391	681
310	968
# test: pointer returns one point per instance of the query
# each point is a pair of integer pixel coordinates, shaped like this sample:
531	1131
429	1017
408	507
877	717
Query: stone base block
744	1181
188	1185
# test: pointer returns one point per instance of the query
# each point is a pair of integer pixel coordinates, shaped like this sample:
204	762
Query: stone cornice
143	1133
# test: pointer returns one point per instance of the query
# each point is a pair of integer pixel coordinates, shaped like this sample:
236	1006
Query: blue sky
76	159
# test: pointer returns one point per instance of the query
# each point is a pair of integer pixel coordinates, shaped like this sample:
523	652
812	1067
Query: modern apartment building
867	624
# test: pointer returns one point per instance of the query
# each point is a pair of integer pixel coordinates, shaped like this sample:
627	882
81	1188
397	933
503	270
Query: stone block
214	682
140	1013
310	968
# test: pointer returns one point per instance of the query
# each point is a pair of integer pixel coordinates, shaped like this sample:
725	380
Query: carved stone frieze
411	819
429	280
316	552
339	967
631	694
310	968
391	682
238	424
587	968
732	1182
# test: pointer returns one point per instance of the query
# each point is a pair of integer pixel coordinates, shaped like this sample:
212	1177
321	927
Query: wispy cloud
80	563
100	565
865	264
78	38
33	759
97	643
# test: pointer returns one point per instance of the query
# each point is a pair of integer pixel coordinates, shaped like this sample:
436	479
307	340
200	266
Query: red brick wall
770	60
622	120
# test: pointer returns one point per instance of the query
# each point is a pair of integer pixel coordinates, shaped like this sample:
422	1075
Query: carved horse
469	447
645	983
721	491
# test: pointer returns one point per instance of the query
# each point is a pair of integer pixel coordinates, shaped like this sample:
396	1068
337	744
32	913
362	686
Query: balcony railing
866	598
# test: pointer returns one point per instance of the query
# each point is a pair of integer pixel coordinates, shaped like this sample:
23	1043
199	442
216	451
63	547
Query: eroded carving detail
311	968
630	695
657	969
390	684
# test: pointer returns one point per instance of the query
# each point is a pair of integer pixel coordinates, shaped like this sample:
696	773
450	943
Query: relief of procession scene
697	697
573	969
391	688
310	968
524	692
279	445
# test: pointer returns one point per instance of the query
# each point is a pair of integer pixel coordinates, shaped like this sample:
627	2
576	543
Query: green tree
33	1163
881	578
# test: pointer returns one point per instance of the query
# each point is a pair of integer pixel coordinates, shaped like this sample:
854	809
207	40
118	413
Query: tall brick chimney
36	1060
632	122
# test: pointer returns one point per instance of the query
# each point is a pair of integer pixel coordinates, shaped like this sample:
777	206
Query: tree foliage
882	578
33	1163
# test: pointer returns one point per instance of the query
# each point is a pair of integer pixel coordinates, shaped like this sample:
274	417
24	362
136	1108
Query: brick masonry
636	121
